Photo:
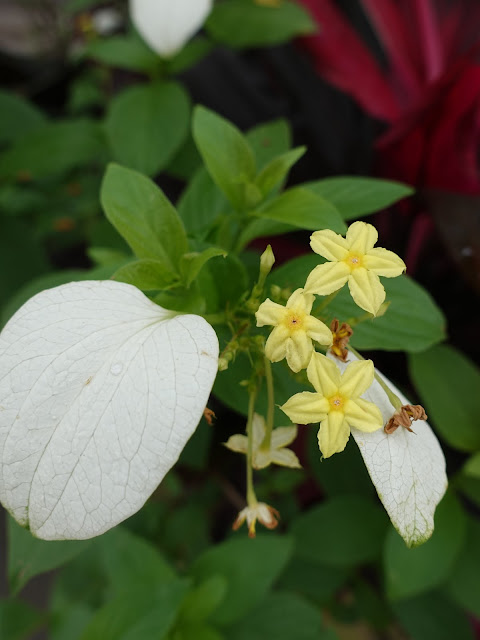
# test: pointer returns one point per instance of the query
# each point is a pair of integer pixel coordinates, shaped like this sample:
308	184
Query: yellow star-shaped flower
337	404
276	454
355	260
294	330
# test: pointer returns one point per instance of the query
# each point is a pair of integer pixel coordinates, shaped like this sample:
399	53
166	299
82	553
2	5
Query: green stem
251	497
394	399
266	442
326	301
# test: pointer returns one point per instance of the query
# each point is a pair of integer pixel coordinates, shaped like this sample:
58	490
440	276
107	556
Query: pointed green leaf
192	263
201	204
147	275
143	215
277	170
269	140
18	117
226	153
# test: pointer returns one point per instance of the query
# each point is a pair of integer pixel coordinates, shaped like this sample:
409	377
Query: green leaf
433	617
192	263
409	572
147	124
312	579
18	620
131	560
29	556
203	600
142	214
345	531
18	117
302	208
269	140
54	148
226	153
142	612
104	256
354	197
472	466
243	23
201	204
448	383
222	283
283	616
189	55
125	52
147	275
250	567
464	581
412	322
261	227
277	170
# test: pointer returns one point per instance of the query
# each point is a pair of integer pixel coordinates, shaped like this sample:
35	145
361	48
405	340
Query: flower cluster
337	404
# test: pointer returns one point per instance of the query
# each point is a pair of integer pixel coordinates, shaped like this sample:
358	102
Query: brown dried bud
341	336
209	415
404	418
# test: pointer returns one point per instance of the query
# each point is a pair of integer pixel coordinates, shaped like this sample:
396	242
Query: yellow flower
337	404
277	454
294	330
266	515
353	259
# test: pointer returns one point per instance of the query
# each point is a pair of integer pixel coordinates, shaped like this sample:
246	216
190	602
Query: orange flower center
293	321
354	260
336	402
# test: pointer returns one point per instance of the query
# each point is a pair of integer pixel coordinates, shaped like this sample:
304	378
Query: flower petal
306	408
356	378
327	278
261	459
318	331
408	470
384	263
301	302
100	391
324	375
276	345
286	458
329	244
165	25
363	415
237	443
333	434
258	429
361	237
269	313
366	290
283	436
299	350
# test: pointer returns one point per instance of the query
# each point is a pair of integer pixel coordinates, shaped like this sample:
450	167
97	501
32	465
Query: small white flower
100	390
166	25
264	513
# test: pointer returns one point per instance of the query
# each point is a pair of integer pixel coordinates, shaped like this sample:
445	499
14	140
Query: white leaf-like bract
407	469
166	25
100	389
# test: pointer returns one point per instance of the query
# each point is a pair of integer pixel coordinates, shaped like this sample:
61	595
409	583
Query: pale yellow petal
237	443
366	290
269	313
299	350
318	331
361	237
283	436
258	428
363	415
261	459
327	278
333	434
286	458
329	244
357	378
301	302
324	375
276	345
384	263
306	408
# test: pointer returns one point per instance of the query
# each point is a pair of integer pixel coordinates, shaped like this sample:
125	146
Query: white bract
407	469
100	389
166	25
